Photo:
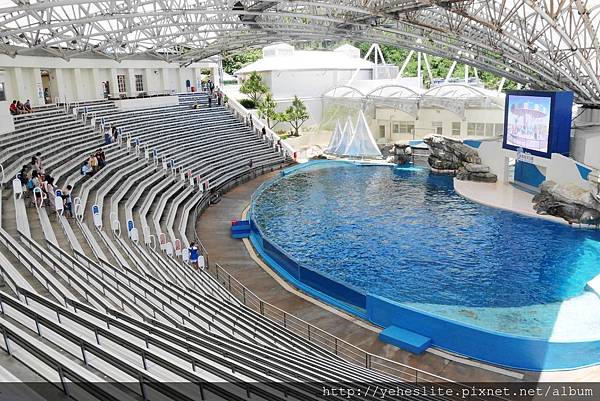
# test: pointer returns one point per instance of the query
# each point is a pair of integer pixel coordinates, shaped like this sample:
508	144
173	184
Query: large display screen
538	122
528	122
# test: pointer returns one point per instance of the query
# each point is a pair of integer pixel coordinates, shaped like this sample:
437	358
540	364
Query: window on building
475	129
139	83
121	83
498	129
395	128
489	129
456	128
2	92
406	127
382	131
437	127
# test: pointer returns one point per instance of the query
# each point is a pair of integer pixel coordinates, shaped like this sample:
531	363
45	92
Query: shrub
247	103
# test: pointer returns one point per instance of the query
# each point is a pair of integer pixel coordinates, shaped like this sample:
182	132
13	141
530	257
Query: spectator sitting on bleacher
196	105
68	200
85	169
32	184
93	162
24	174
13	108
101	158
27	106
20	108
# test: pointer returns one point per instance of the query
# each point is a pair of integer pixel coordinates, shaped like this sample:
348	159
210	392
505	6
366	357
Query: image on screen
528	122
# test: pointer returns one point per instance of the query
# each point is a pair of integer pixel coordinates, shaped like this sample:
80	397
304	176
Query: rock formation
454	157
399	154
568	201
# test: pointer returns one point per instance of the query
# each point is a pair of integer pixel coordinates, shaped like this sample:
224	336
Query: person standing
194	254
115	134
210	100
68	200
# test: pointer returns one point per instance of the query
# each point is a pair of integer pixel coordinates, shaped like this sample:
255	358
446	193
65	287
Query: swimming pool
403	234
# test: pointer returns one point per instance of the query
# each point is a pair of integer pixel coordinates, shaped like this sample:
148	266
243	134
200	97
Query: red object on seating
233	222
193	89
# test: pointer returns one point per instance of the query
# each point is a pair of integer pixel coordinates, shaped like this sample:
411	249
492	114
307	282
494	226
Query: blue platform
240	229
405	339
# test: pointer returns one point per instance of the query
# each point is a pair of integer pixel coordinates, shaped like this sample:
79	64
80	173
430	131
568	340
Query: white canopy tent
362	143
336	138
354	141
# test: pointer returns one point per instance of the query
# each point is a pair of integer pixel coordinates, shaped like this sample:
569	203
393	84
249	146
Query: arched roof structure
545	44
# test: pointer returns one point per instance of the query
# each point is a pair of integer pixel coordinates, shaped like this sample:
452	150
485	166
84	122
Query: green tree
267	110
234	62
296	115
254	87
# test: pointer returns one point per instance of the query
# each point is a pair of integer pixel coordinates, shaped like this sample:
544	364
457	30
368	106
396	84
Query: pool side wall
474	342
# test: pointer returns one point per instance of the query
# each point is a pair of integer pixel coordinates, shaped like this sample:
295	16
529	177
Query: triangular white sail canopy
362	143
347	134
336	138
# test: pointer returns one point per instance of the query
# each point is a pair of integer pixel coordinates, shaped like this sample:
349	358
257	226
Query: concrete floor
233	255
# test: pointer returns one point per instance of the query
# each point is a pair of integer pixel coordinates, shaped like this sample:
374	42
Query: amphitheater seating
91	304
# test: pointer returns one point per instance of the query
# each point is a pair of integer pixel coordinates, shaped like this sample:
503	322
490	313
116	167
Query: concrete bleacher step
405	339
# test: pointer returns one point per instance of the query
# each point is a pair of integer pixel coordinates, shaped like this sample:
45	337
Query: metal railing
258	124
322	338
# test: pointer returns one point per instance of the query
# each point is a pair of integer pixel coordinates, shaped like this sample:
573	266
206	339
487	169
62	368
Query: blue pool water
404	234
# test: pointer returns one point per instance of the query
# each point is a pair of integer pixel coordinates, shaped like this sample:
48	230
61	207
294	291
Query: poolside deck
501	196
239	259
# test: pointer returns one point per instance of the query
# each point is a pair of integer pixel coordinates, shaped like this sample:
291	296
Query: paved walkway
213	229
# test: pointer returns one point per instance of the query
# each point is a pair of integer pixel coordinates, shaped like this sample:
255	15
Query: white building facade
50	79
307	74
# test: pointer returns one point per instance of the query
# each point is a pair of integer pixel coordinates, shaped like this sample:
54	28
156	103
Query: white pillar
19	84
38	99
130	79
78	89
164	73
181	78
61	92
98	90
114	84
148	77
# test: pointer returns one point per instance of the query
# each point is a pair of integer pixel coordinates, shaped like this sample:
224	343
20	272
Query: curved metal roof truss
546	44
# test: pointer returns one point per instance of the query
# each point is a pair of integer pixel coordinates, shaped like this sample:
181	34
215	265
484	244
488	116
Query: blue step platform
240	229
405	339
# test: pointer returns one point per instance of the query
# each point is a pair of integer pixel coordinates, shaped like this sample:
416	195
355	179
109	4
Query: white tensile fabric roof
362	143
336	138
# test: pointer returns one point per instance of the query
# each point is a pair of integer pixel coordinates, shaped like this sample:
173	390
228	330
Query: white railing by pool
240	110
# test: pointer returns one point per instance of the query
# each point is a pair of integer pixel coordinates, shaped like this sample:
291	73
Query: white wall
558	168
585	146
6	119
310	83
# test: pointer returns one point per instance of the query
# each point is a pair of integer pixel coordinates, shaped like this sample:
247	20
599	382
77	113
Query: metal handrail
321	337
257	123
